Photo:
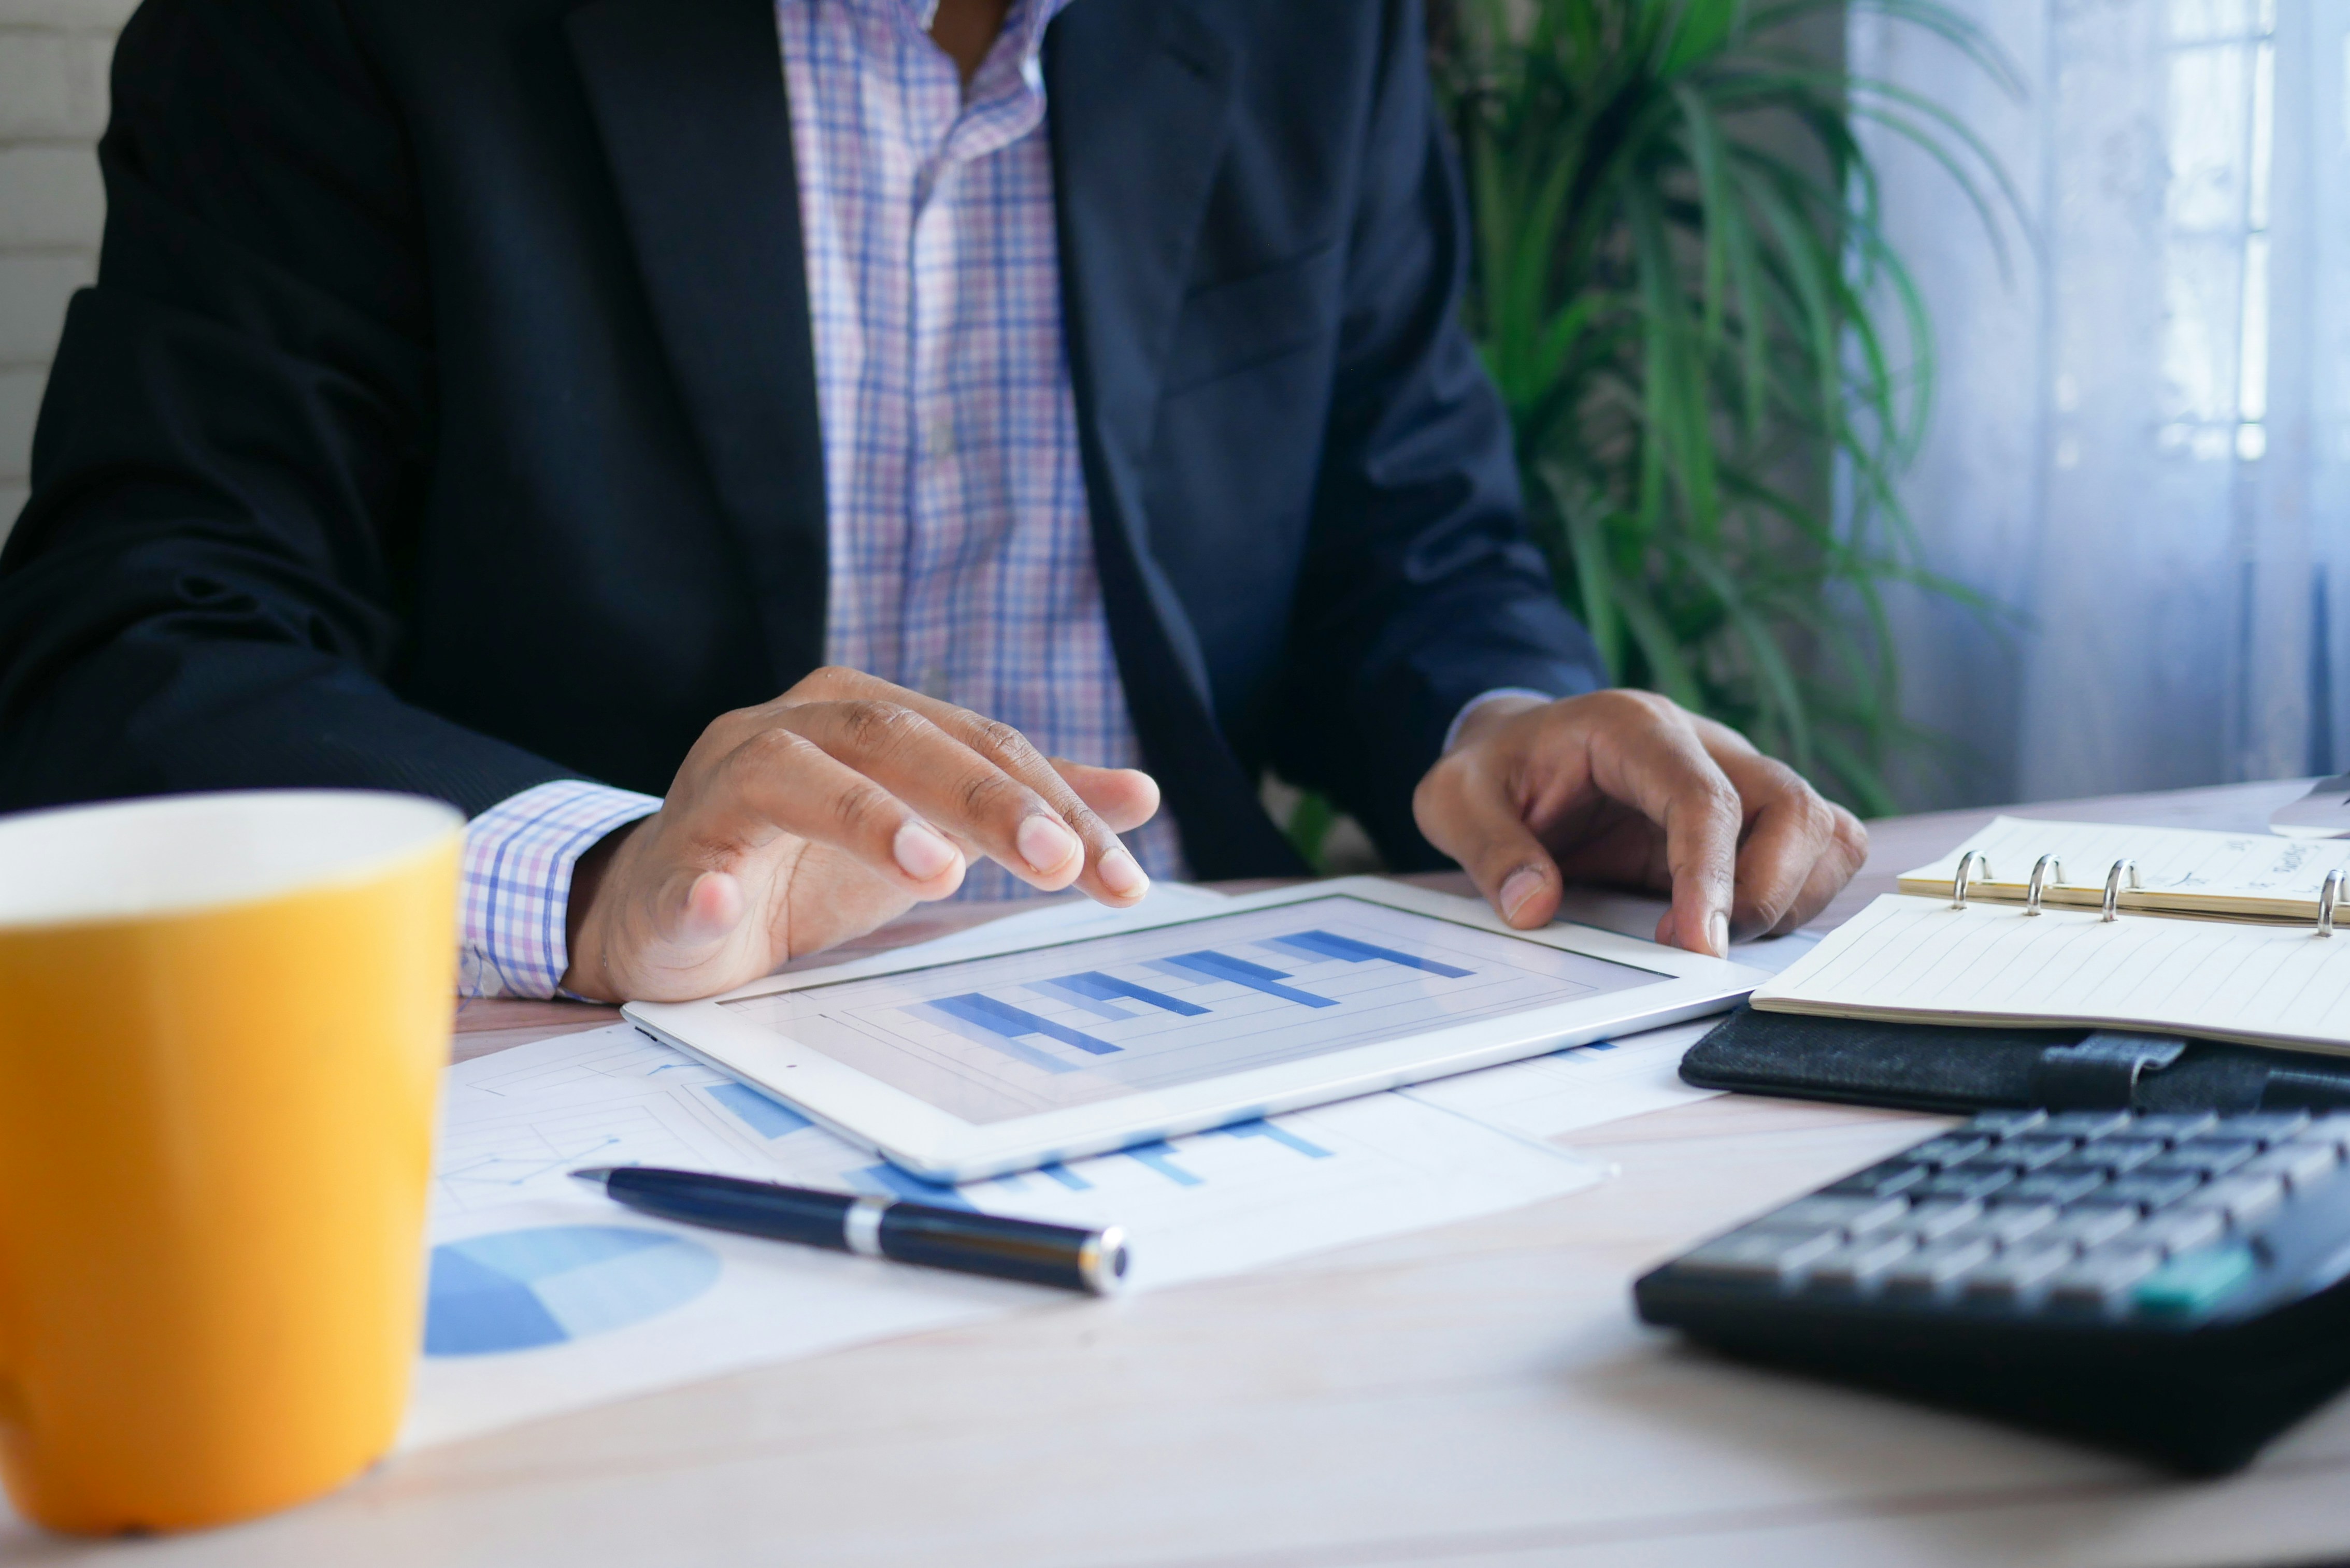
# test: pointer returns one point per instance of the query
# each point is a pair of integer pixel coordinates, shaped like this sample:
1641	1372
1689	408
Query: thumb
1466	812
696	909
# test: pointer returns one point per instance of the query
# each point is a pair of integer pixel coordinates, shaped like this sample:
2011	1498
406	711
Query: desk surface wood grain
1478	1394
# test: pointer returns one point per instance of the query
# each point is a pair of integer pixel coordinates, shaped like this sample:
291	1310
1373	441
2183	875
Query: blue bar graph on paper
888	1181
1260	1127
1155	1155
1239	971
768	1119
1330	945
1012	1022
1094	987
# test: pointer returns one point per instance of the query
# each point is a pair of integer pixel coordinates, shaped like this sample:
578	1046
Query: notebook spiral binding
2049	872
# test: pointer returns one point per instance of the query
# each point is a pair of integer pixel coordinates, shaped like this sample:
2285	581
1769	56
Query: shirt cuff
515	882
1452	731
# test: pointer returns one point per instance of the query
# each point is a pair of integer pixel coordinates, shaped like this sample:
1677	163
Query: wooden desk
1477	1395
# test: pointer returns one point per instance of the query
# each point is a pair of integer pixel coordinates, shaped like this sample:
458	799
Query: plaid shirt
960	557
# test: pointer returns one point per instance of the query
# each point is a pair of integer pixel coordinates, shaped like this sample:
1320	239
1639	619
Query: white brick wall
53	62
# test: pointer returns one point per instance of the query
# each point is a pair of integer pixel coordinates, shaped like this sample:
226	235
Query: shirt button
937	437
933	684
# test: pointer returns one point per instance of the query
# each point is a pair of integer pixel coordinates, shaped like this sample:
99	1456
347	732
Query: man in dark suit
505	399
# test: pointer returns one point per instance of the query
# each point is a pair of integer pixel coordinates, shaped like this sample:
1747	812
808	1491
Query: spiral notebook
2221	936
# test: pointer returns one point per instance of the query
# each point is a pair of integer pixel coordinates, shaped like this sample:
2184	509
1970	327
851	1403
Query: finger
1125	798
1466	807
1788	830
1109	874
1847	851
1659	768
778	781
966	795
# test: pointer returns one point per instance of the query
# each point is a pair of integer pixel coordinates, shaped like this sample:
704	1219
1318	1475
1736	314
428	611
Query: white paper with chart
545	1297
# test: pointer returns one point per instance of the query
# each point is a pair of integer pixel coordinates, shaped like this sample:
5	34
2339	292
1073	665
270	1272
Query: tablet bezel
936	1145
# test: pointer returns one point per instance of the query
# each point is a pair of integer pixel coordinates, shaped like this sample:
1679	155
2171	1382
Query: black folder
1935	1068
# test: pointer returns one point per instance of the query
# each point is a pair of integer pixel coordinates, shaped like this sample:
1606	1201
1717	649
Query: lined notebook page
1991	963
2197	869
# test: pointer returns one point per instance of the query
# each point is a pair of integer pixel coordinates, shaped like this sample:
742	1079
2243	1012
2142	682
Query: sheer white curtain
2140	446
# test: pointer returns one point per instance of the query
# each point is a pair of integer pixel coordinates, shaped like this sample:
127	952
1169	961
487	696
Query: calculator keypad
2084	1212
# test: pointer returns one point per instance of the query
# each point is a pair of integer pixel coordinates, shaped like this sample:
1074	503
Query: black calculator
2178	1285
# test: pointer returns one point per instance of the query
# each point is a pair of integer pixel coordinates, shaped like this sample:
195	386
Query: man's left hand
1628	787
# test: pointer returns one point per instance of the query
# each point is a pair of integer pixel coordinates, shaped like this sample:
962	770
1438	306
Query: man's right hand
812	818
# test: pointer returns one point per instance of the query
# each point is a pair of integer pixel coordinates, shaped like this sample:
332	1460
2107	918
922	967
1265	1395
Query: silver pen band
1101	1262
861	1226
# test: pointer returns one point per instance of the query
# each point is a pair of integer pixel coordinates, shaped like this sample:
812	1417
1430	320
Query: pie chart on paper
522	1289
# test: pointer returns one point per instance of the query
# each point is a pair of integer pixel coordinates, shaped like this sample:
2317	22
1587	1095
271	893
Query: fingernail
1121	875
1044	844
1522	886
1717	931
921	853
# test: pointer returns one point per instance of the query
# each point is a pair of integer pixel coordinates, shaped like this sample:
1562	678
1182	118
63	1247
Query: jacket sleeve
1421	588
204	590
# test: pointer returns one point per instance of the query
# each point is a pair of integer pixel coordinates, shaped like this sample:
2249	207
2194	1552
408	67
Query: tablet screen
991	1039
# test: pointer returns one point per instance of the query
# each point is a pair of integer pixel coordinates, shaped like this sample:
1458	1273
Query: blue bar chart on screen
1104	1016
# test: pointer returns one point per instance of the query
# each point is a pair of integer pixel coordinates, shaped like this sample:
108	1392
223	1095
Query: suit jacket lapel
1140	97
689	98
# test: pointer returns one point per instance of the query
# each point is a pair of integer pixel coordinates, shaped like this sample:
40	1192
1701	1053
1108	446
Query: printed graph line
1255	976
1260	1127
481	1171
1330	945
1155	1156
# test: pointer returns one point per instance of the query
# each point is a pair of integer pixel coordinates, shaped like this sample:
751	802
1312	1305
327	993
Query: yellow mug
223	1022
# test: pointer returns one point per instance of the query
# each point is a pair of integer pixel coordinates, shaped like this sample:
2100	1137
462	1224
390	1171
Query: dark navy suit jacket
444	418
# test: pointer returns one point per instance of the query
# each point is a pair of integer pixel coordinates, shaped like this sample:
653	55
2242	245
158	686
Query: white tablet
1054	1046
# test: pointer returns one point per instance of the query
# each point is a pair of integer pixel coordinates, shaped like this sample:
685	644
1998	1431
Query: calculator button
2015	1272
2182	1230
1851	1215
1881	1180
2299	1164
2054	1186
1761	1257
2031	1153
1930	1268
2101	1279
2147	1192
2086	1228
1857	1264
1937	1218
2239	1199
1965	1181
2085	1124
2265	1126
2007	1225
2004	1124
2174	1127
2119	1154
2331	1129
2195	1282
2204	1157
1947	1150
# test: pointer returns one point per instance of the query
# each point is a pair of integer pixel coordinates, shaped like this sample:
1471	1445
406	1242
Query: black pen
1064	1255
